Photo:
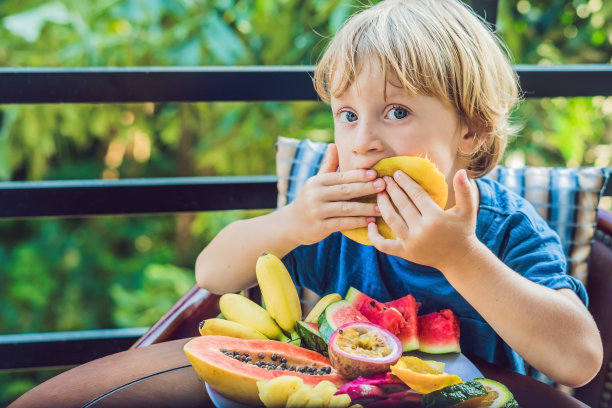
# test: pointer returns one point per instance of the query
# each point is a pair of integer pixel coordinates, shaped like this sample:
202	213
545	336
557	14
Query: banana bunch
222	327
279	294
245	319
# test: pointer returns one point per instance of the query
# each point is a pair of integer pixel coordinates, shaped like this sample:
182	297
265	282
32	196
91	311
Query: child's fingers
395	221
464	196
349	209
330	160
402	202
352	190
421	199
388	246
346	177
344	223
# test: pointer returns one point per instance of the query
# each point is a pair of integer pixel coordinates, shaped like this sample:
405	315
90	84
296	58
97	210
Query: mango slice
420	170
423	376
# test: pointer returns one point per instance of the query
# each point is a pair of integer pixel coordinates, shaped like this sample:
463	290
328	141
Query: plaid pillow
566	197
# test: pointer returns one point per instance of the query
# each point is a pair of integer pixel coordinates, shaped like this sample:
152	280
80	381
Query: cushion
565	197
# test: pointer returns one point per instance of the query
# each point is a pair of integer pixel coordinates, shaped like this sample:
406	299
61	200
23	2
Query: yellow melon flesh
423	376
420	170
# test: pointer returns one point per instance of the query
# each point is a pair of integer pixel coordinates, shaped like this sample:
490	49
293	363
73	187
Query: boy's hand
323	205
426	234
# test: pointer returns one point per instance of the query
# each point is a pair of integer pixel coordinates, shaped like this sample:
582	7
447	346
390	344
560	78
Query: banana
222	327
313	316
243	310
279	293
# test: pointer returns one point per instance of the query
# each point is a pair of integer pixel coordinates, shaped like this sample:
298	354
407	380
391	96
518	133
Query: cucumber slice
470	393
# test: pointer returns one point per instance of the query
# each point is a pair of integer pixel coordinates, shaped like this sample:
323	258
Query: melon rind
421	170
311	338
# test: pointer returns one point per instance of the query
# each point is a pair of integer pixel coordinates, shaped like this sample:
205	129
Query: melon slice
421	170
336	315
439	332
309	333
409	334
387	317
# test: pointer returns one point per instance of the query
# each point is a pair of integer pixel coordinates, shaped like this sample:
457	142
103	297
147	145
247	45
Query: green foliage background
104	272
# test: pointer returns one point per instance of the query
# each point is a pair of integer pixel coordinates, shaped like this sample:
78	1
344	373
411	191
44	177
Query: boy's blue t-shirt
507	224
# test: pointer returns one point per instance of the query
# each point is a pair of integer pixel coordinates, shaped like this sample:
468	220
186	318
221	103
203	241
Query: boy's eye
397	113
348	116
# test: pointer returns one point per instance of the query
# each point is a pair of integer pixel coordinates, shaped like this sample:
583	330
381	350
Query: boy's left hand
426	234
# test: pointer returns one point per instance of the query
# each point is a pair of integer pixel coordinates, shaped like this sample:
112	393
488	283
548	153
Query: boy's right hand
324	204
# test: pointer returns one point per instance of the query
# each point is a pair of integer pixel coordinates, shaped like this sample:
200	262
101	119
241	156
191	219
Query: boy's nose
366	140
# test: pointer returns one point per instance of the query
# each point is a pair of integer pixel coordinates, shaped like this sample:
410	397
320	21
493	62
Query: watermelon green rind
312	338
352	294
337	314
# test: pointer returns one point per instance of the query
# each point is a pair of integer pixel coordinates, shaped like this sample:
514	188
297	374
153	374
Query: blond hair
438	48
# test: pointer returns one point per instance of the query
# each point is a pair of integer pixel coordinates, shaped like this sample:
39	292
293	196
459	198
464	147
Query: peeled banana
243	310
279	293
313	316
222	327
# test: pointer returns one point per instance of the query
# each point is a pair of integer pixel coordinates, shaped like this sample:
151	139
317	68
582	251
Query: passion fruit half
421	170
362	349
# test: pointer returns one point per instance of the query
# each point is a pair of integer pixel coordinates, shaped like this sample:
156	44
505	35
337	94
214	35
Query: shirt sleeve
302	266
534	250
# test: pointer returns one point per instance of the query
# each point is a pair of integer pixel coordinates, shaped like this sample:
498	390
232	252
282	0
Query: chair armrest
599	288
182	319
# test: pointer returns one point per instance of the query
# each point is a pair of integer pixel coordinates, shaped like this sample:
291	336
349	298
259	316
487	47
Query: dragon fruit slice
357	391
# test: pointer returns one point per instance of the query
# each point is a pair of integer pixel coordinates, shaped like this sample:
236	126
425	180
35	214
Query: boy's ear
471	139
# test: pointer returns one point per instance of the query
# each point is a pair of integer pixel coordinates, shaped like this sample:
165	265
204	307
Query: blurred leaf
226	47
28	24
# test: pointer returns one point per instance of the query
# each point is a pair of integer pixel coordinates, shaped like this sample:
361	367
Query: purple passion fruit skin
362	349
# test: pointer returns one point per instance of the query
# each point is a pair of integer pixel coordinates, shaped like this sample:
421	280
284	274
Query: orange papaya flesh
221	362
421	170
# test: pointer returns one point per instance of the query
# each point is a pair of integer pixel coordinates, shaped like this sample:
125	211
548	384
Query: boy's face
370	127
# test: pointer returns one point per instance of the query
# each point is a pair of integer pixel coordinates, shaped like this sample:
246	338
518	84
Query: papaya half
232	366
421	170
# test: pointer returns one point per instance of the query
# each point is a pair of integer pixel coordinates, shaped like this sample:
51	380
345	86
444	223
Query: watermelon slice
336	315
309	333
409	334
439	332
376	312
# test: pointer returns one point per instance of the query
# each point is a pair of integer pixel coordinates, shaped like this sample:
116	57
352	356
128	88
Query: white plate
457	364
222	401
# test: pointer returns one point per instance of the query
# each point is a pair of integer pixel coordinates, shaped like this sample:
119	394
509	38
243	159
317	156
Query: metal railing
181	194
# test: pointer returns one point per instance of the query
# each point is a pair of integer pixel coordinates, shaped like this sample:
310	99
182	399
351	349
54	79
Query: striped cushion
566	197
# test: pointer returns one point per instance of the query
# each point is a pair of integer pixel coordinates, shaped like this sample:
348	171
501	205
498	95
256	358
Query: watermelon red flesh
409	334
439	332
376	312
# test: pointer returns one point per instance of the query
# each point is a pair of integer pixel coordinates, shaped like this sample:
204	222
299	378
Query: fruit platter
349	351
